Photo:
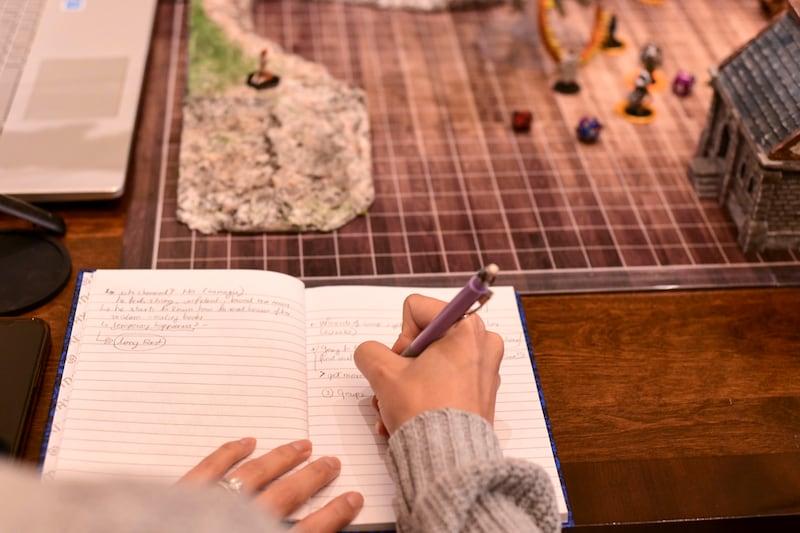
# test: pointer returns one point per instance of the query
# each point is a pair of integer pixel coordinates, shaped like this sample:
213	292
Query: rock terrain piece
295	157
268	162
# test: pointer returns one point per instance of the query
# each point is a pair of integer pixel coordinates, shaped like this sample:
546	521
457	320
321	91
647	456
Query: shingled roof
762	80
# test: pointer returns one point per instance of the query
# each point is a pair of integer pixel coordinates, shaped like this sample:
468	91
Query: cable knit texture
451	476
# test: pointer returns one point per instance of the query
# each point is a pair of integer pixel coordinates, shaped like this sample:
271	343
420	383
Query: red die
521	121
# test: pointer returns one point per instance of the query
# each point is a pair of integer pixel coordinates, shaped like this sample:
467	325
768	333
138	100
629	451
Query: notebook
163	366
71	74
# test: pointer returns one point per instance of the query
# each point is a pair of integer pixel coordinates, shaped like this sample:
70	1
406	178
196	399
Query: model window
724	141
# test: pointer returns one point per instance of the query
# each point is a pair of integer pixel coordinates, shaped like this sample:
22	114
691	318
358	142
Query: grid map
457	188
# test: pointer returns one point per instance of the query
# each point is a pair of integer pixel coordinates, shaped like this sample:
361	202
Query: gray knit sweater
459	480
447	465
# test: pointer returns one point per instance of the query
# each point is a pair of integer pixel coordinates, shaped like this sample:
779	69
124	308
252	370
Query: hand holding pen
459	371
476	291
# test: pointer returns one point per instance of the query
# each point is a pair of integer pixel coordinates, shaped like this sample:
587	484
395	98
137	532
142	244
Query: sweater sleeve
451	475
27	504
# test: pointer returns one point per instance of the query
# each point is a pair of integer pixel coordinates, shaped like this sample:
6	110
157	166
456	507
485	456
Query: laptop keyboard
18	22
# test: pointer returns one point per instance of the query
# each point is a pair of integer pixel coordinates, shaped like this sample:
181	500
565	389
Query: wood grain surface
674	405
666	407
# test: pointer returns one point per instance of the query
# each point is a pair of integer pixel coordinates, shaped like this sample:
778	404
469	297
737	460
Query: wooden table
665	406
674	405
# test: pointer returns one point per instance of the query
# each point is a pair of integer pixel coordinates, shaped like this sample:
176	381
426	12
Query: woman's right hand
458	371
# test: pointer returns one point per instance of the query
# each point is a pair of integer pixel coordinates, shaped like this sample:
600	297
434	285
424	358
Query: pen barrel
452	313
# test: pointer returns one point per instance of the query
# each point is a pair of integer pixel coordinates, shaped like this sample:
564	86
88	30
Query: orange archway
551	42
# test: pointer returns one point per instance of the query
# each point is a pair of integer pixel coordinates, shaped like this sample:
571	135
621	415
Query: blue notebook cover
60	369
569	522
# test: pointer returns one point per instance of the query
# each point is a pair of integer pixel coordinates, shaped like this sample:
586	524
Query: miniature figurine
567	74
635	105
521	121
651	57
682	83
610	41
262	78
588	130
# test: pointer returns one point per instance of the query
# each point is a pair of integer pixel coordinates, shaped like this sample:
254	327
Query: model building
748	156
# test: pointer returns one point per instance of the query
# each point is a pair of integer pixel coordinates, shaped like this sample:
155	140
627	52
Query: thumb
378	363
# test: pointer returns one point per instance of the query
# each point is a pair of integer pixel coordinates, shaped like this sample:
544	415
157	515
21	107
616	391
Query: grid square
569	258
604	257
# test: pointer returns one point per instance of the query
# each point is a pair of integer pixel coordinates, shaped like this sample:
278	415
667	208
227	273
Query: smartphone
24	348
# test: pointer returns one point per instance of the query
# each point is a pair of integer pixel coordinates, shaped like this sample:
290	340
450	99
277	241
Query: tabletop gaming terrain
458	185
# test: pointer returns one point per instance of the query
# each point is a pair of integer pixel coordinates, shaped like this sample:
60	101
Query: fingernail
247	441
355	499
333	462
302	446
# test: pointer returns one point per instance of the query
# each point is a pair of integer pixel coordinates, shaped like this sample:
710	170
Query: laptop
71	75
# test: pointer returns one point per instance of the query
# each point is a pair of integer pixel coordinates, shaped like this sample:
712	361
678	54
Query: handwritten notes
164	366
341	419
161	369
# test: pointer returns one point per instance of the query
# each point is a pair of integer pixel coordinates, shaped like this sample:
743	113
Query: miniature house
748	156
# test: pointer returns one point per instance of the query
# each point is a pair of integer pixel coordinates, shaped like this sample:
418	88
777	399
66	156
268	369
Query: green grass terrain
215	63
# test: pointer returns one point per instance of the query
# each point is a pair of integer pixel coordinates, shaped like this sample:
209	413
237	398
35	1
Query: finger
273	464
380	428
493	399
496	350
335	515
220	461
418	312
290	492
377	363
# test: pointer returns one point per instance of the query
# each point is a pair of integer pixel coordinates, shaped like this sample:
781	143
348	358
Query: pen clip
482	300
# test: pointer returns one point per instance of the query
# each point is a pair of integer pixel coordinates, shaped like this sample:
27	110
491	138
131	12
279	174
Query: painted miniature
651	57
262	78
682	83
610	41
636	98
567	74
588	130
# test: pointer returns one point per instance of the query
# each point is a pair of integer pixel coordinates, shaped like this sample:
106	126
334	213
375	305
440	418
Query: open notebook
163	366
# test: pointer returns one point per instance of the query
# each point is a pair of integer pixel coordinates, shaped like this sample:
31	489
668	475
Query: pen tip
491	269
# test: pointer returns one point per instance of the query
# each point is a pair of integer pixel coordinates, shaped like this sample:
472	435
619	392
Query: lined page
165	366
341	419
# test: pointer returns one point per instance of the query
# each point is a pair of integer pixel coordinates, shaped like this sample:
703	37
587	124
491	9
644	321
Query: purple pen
475	291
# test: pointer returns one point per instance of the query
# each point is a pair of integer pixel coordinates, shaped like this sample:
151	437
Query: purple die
683	83
588	130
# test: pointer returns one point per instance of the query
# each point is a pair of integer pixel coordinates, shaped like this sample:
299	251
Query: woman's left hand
258	478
